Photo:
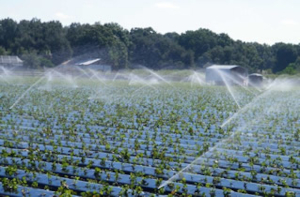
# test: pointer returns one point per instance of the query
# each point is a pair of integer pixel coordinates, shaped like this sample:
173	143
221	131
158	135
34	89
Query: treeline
47	44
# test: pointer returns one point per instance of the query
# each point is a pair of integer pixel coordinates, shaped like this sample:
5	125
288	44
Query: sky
262	21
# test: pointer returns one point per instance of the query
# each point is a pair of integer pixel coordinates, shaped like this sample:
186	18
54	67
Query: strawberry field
88	137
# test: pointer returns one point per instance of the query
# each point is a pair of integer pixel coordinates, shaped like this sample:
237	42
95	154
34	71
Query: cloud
166	5
61	15
289	22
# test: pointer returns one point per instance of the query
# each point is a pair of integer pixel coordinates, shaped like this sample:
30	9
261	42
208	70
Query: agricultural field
62	135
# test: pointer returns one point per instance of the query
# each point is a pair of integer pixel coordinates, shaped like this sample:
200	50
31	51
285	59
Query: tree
8	31
2	51
156	51
285	54
57	46
292	68
31	60
46	44
199	41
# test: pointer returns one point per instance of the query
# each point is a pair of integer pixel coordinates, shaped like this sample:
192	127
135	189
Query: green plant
9	185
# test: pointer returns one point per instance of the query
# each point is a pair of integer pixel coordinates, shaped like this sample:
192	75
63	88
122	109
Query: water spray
21	97
241	110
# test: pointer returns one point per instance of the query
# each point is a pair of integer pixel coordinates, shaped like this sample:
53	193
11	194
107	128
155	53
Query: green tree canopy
46	44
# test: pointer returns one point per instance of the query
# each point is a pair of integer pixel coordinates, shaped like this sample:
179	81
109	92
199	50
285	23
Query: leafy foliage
45	44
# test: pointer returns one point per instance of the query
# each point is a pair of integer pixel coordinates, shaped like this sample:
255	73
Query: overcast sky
263	21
